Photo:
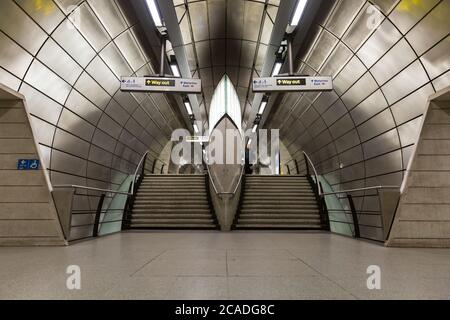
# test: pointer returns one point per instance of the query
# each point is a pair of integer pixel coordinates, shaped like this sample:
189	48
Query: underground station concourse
224	149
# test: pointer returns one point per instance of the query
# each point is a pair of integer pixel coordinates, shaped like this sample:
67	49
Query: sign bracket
163	55
291	60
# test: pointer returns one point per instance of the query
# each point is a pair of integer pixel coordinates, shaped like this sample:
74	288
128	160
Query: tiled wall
66	57
385	64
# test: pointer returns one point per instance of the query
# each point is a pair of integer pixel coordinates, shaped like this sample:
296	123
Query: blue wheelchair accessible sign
27	164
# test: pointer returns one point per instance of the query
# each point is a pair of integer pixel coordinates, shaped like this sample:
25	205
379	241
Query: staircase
277	203
172	202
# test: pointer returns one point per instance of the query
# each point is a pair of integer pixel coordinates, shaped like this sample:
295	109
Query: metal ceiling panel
407	13
400	56
343	15
109	15
79	116
47	15
382	39
363	25
227	36
130	49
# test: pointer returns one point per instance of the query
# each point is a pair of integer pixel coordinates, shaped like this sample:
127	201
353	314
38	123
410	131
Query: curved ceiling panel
386	61
66	57
226	37
225	91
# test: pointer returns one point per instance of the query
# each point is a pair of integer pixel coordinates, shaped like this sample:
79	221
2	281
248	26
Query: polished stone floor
213	265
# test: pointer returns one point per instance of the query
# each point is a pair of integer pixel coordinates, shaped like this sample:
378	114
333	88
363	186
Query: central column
225	152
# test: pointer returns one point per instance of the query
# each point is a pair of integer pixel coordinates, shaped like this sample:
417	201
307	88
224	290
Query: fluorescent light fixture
301	5
154	12
174	66
187	104
175	70
277	69
255	127
262	107
195	128
249	142
188	108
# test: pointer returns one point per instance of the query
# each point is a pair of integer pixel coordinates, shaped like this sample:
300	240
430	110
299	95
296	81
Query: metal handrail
289	161
214	185
137	170
163	162
74	186
292	160
360	189
319	189
240	180
210	179
150	152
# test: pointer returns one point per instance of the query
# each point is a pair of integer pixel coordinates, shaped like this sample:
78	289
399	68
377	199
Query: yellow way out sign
162	85
292	84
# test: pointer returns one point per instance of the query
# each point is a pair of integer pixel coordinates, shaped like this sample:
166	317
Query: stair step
175	179
185	193
172	188
174	197
279	192
279	196
277	178
143	205
150	181
275	196
282	180
277	203
290	176
280	226
170	199
172	185
172	226
196	182
172	202
170	191
185	188
171	210
286	182
140	201
280	201
173	206
141	216
270	187
278	211
292	179
180	182
171	177
311	216
286	204
174	220
279	207
279	221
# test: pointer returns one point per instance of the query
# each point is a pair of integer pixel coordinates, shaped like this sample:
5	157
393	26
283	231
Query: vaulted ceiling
226	36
